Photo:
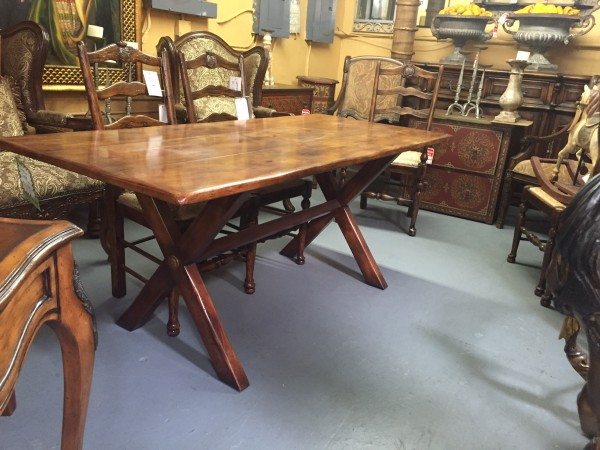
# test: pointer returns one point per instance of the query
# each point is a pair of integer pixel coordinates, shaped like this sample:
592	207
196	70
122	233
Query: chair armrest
261	112
533	140
45	117
528	142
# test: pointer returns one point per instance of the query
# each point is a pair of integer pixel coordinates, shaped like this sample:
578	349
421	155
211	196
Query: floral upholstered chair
251	65
23	49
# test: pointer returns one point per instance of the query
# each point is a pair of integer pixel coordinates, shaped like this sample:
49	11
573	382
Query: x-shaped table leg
181	251
346	220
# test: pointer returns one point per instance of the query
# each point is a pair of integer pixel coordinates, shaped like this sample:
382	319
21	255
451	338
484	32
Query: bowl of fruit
543	26
461	23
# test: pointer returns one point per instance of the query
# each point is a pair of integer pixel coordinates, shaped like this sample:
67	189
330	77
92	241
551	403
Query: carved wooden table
467	171
221	163
36	288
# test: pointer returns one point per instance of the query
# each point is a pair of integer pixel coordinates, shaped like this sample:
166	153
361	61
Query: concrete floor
455	354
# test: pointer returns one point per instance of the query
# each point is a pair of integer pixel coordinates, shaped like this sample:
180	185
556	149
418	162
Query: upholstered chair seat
182	213
50	183
409	159
525	168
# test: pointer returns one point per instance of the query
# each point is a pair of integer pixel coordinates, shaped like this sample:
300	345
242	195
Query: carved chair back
383	89
23	51
206	63
209	98
123	54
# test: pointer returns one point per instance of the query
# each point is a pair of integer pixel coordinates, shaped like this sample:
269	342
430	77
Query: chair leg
115	234
363	200
74	329
248	221
517	236
288	206
173	325
93	225
541	287
11	406
300	259
415	203
505	199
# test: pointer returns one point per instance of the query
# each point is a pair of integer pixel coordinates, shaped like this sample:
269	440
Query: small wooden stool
37	286
540	200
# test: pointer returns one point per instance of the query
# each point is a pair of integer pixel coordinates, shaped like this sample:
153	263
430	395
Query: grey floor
455	354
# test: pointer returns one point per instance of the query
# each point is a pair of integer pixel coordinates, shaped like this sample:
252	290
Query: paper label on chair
522	55
430	153
162	113
152	83
235	83
241	108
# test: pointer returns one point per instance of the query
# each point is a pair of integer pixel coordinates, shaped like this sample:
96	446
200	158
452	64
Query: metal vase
512	97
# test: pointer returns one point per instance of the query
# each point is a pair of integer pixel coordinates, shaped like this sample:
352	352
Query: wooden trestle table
222	163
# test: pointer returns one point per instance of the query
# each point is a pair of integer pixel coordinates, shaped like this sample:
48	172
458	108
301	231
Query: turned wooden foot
173	325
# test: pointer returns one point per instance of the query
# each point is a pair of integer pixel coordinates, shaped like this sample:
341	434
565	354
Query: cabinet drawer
459	194
471	148
568	95
535	92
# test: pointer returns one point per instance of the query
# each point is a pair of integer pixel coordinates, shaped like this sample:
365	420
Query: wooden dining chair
38	286
206	64
381	89
121	205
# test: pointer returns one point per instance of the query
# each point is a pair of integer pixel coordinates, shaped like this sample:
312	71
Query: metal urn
512	98
540	32
460	29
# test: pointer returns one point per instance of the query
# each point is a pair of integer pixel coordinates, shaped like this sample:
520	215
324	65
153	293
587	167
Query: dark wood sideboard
549	99
287	98
466	176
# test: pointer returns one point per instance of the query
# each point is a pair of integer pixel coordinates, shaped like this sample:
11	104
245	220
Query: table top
190	163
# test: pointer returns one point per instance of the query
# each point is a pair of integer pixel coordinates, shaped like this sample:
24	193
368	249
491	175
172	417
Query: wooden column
405	27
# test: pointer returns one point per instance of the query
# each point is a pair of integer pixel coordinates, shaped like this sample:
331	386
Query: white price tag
522	56
235	83
162	113
241	108
152	83
430	153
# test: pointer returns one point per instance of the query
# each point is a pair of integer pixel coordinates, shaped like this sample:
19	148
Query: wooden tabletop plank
184	164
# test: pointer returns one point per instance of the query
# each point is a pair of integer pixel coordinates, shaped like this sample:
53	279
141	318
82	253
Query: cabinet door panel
458	194
471	148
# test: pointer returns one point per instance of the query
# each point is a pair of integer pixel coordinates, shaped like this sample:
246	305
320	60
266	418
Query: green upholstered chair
253	65
23	53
